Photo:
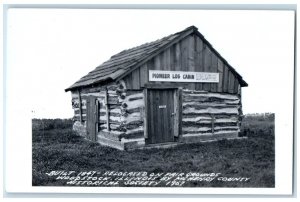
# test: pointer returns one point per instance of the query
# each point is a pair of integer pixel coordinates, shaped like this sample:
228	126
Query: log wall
206	113
125	118
203	114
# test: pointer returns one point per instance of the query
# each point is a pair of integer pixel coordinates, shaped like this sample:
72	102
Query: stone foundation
80	128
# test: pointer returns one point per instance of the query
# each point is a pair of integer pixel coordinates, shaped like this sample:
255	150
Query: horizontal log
77	117
113	132
189	98
134	104
102	127
113	122
194	91
102	123
113	87
202	119
99	95
74	95
200	106
110	105
77	108
208	116
134	125
114	126
199	129
116	119
132	118
111	136
77	111
135	96
134	133
92	90
213	95
209	124
111	99
129	125
110	87
209	110
77	100
220	103
130	111
112	109
112	91
117	127
140	129
135	141
195	129
101	114
133	92
96	94
99	98
208	130
219	128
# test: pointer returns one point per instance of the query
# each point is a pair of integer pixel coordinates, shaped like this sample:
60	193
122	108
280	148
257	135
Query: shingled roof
126	61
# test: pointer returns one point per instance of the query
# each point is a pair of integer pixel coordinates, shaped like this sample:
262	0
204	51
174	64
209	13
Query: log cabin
171	91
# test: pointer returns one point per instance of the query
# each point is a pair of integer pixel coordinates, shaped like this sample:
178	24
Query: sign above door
180	76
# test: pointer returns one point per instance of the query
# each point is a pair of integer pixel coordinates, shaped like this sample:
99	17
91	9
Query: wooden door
92	118
160	115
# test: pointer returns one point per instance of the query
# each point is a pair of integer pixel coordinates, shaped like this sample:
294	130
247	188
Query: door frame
177	107
96	117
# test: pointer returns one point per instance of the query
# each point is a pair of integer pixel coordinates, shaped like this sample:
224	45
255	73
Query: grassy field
57	147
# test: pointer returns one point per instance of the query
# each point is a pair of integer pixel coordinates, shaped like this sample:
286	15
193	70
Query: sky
47	50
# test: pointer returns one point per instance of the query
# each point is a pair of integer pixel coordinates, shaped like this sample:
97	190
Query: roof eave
73	88
244	83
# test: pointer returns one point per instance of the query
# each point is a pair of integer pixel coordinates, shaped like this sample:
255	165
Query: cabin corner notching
177	89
